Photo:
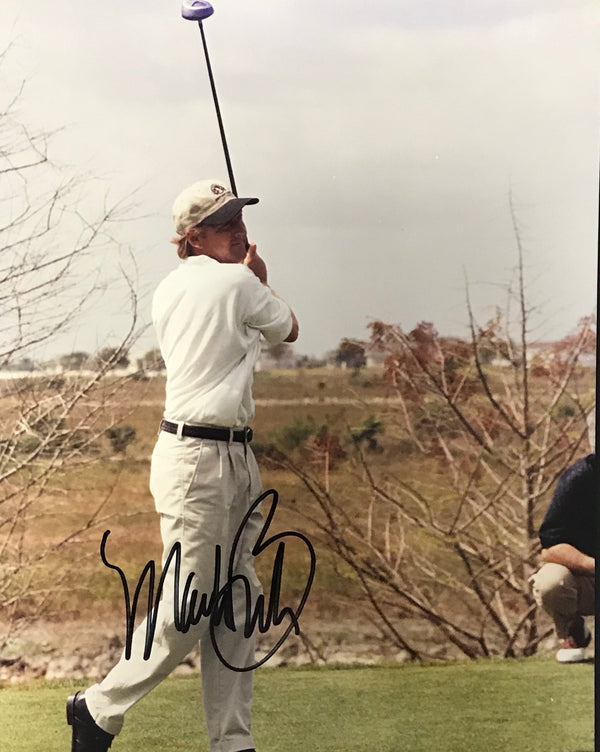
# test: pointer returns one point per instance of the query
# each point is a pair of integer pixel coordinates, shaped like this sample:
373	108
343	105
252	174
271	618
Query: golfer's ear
194	238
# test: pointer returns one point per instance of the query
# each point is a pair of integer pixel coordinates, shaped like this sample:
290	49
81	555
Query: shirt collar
194	260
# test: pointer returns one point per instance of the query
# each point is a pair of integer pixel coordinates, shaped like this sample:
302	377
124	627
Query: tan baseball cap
208	202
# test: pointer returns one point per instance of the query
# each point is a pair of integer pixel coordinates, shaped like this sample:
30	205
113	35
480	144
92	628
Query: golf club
197	10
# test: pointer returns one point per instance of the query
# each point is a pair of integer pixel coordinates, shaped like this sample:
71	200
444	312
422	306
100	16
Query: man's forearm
293	335
570	557
257	265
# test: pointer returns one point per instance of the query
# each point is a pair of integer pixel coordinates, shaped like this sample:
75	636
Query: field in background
491	706
77	575
80	587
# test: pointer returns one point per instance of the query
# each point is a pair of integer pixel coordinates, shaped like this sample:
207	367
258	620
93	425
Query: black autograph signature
191	606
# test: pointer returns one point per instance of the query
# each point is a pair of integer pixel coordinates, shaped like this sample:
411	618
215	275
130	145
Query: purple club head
196	10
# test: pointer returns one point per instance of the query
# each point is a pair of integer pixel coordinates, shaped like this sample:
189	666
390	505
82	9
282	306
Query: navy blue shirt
571	516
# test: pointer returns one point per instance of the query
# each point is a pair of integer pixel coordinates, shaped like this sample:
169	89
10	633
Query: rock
67	666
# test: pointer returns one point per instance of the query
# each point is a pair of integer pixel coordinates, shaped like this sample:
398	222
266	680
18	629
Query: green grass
492	706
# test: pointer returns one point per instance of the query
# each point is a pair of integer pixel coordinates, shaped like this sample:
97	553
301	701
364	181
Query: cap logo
217	189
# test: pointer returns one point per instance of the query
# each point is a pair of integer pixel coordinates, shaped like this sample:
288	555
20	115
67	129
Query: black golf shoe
87	735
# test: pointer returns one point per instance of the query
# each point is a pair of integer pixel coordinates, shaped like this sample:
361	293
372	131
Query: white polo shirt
208	318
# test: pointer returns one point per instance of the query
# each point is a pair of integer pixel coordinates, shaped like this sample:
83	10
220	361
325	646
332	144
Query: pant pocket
171	474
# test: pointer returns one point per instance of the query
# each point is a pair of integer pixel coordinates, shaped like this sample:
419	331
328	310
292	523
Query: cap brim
228	211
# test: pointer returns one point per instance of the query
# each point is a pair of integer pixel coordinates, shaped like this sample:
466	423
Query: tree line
111	358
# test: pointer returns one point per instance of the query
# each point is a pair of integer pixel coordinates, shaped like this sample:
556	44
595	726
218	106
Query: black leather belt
244	435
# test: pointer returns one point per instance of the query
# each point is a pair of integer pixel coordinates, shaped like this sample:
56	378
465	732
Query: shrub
120	437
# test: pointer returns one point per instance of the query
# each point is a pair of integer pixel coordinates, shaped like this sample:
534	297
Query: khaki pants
564	595
202	490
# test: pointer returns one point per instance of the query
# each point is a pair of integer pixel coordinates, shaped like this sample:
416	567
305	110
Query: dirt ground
78	649
88	649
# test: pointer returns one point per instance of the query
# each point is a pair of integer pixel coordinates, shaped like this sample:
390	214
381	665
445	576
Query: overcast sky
383	140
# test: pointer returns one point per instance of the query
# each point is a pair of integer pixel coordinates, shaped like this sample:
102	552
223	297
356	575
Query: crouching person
565	583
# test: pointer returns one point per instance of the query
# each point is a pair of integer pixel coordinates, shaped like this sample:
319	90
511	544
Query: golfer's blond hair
184	250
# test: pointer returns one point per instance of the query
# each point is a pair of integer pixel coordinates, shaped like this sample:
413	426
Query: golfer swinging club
208	314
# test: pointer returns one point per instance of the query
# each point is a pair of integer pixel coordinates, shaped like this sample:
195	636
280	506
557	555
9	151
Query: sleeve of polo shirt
264	311
562	520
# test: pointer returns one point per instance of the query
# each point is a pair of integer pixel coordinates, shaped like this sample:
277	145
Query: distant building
375	357
546	352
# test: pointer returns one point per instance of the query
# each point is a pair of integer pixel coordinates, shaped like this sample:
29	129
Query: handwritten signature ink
218	606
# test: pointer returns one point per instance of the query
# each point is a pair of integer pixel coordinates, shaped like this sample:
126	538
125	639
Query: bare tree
58	254
443	547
